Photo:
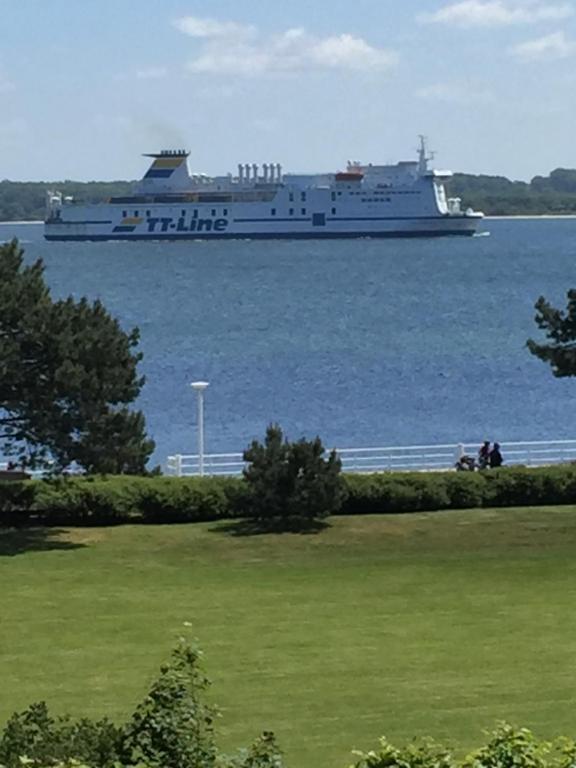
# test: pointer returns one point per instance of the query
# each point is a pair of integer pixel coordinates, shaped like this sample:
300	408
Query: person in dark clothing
484	455
495	457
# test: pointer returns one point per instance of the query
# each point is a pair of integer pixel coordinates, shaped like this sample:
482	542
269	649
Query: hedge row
423	492
115	500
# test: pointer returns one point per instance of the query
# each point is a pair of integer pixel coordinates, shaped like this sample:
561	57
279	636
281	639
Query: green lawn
434	624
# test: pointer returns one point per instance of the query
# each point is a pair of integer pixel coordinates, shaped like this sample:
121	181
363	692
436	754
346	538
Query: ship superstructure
170	203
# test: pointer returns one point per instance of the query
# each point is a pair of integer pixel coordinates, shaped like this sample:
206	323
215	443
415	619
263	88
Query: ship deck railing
396	458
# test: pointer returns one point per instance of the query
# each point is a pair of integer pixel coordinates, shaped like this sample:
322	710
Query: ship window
183	213
135	213
291	211
273	211
291	197
148	214
213	211
333	195
124	214
333	211
303	211
225	212
303	197
196	213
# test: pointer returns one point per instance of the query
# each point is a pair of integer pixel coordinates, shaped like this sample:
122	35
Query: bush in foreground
173	727
507	747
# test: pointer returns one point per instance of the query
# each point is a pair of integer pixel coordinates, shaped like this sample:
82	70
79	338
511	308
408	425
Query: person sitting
484	455
495	457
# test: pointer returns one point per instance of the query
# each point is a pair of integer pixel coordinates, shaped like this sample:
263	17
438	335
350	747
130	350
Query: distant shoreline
532	216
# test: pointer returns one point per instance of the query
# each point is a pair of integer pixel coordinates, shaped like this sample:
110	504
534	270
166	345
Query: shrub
510	747
395	492
424	754
465	489
87	501
524	486
16	501
186	500
507	747
291	480
420	492
173	726
285	481
262	753
42	738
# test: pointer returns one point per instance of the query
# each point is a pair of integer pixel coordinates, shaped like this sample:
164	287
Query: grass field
418	624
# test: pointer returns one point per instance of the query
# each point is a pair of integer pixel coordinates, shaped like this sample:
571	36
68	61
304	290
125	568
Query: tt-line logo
166	223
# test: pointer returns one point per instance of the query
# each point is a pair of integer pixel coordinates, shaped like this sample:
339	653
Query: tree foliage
507	747
67	373
26	200
426	753
499	196
173	727
292	480
560	328
45	739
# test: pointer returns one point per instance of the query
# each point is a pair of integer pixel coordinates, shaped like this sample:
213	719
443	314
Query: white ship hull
404	200
407	227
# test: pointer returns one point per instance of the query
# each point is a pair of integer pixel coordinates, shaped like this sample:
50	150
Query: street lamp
200	386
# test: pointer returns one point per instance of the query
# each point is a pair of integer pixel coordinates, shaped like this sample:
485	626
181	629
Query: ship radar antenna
423	155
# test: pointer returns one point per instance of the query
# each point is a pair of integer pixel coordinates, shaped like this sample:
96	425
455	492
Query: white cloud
195	26
455	93
235	49
554	46
497	13
351	52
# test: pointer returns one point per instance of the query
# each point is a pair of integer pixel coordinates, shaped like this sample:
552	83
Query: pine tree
560	328
67	373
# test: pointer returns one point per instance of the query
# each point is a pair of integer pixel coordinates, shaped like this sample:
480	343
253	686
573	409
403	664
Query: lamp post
200	386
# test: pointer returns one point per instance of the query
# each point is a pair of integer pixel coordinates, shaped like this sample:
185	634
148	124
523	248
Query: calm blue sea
367	342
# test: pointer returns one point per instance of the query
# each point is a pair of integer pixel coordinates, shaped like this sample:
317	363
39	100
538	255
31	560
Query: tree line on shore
498	196
494	195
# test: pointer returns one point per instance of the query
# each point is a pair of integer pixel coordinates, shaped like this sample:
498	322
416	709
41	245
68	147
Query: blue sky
86	86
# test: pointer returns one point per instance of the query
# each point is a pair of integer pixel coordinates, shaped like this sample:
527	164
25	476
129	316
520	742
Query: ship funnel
272	169
278	172
168	171
240	173
255	171
265	171
247	172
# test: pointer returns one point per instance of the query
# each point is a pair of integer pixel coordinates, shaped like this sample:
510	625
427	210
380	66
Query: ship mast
423	156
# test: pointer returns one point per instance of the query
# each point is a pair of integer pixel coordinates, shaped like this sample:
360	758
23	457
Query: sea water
363	342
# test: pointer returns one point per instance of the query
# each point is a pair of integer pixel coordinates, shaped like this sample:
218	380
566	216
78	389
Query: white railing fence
405	458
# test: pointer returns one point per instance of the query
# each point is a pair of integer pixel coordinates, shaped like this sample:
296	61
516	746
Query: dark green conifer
67	373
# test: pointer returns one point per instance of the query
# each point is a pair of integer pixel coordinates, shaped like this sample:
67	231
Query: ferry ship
170	203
